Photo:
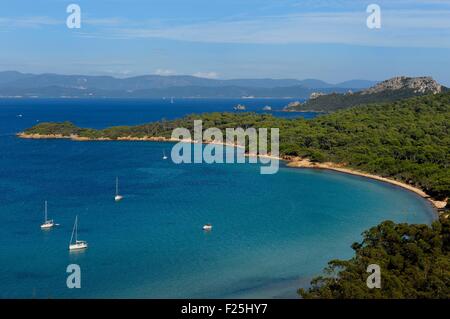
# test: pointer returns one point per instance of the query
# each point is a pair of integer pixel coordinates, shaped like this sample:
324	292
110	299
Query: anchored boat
117	197
207	227
47	223
77	244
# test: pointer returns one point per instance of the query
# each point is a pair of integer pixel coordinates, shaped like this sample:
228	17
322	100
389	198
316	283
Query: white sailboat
171	100
164	154
77	244
47	223
117	197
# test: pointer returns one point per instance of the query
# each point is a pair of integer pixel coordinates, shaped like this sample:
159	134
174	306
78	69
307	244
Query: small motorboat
207	227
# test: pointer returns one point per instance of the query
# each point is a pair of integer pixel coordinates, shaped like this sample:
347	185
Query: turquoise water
271	233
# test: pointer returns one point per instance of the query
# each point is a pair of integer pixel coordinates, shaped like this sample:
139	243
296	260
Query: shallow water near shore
271	233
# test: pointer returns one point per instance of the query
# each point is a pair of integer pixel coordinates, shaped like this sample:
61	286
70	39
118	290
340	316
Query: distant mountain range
16	84
390	90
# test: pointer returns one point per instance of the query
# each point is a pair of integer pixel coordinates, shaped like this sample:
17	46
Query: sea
271	233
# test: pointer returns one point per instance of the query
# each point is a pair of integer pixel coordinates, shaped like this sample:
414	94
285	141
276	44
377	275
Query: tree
414	261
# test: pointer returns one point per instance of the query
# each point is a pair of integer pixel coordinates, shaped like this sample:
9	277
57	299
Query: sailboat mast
76	229
45	214
117	186
73	230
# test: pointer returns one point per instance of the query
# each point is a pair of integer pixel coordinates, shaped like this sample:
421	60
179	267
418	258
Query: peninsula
405	143
390	90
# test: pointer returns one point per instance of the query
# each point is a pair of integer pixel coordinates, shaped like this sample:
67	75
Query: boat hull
78	246
47	226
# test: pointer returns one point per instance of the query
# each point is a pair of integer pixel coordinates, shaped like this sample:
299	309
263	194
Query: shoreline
297	162
293	162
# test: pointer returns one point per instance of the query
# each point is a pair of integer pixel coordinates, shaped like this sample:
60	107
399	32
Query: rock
294	104
421	85
315	95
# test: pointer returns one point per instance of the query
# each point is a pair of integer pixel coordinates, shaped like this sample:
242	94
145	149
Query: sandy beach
295	162
305	163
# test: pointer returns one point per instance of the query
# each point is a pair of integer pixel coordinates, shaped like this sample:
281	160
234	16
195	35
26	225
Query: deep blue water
271	233
107	112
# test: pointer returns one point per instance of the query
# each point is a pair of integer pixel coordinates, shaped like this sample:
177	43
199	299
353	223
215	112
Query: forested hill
414	262
407	140
387	91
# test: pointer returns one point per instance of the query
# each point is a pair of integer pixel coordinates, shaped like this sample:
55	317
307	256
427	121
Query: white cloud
165	72
207	75
410	28
42	21
29	22
104	22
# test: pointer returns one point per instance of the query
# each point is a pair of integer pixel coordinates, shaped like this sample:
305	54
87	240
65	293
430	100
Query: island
405	143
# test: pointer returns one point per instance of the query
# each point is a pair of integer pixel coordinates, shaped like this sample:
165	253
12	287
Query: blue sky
324	39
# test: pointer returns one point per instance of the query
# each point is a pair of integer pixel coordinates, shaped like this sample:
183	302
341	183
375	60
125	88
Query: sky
322	39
